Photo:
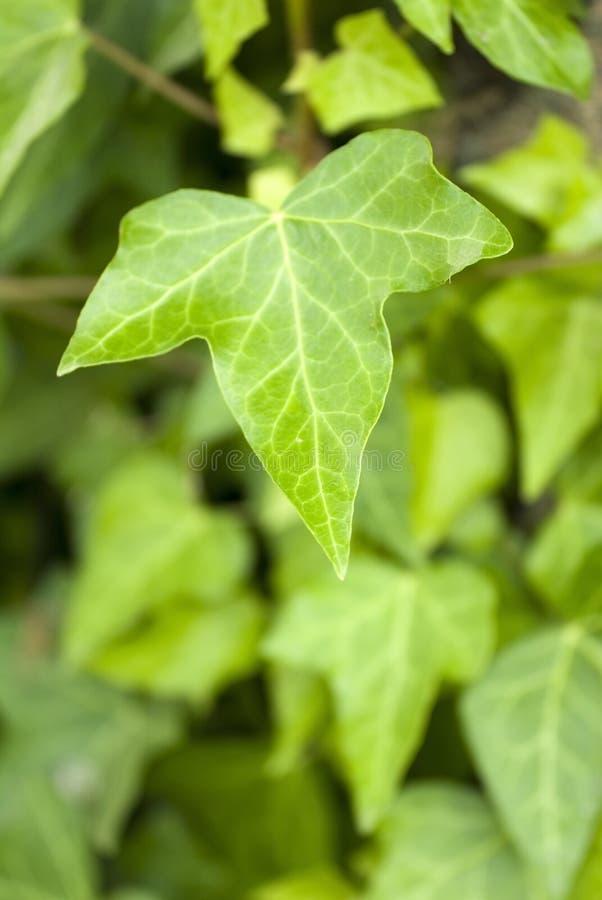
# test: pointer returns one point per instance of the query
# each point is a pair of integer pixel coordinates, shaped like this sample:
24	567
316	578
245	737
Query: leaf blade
291	304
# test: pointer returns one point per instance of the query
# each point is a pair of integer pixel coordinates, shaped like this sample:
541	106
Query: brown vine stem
22	291
35	289
542	263
172	91
50	315
308	146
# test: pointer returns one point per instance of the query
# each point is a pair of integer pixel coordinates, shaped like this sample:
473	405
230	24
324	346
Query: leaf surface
441	841
291	304
43	854
543	178
249	120
186	651
531	40
432	18
148	545
460	450
549	334
41	72
374	75
81	736
317	885
225	25
212	782
384	641
560	552
534	727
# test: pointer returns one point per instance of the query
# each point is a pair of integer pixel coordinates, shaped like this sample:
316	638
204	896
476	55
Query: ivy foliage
310	608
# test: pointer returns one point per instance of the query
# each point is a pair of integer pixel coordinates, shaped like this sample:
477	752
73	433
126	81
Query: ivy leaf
41	72
384	641
589	882
226	24
531	40
460	450
249	120
543	178
43	854
322	884
533	725
432	18
186	651
441	842
374	75
291	304
148	544
161	852
549	334
212	781
569	540
383	505
582	228
80	735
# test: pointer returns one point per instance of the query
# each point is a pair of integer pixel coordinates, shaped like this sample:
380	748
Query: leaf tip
67	365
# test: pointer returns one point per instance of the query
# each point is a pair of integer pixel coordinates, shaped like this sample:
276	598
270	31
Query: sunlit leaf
374	75
226	24
531	40
432	18
534	728
441	842
249	120
186	651
149	544
459	451
549	334
291	302
384	641
41	72
43	855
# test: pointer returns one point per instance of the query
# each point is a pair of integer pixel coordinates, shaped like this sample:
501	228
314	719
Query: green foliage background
193	706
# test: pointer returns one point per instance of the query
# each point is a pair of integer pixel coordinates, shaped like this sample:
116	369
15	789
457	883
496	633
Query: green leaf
319	885
249	120
174	40
81	736
43	855
384	641
291	304
543	178
560	552
225	793
582	229
162	853
271	185
374	75
383	512
225	25
299	708
41	72
149	545
531	40
132	894
549	334
589	881
65	167
186	651
432	18
459	451
442	842
533	726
